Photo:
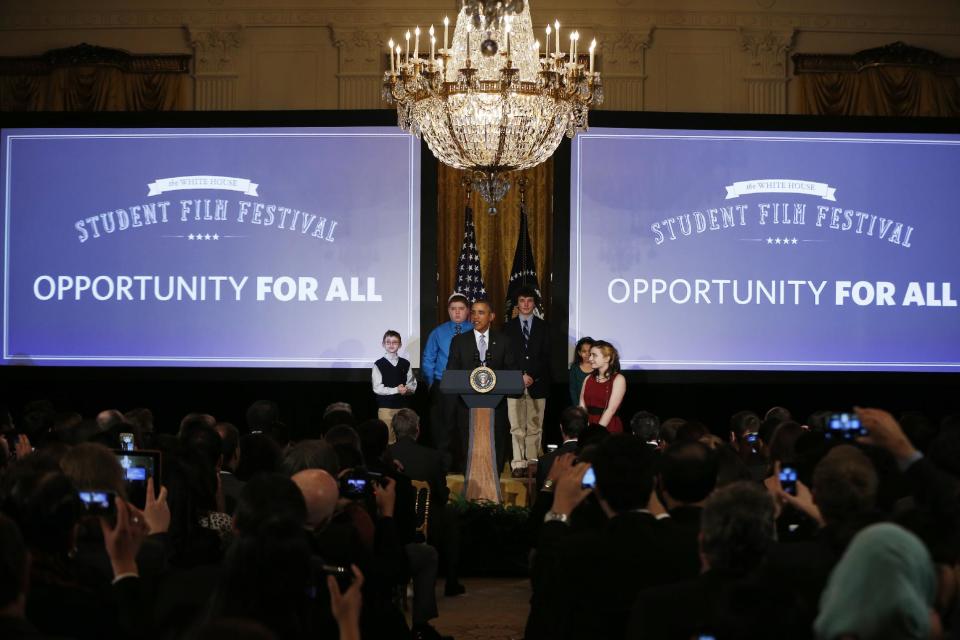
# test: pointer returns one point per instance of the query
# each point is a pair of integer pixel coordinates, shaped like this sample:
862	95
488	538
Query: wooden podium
482	477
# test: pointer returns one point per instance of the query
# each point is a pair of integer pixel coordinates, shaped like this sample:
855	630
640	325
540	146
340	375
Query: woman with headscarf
882	588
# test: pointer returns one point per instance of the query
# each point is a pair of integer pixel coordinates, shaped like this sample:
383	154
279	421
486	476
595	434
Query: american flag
524	271
469	278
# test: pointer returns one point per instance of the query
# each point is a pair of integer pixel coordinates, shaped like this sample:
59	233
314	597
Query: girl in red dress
604	389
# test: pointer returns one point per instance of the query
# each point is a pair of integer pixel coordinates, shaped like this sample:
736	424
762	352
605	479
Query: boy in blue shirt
443	407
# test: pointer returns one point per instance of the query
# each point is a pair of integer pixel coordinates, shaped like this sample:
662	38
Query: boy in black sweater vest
393	381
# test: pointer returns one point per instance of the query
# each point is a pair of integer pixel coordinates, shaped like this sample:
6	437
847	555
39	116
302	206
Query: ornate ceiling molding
215	48
90	55
897	54
360	47
397	13
622	50
768	50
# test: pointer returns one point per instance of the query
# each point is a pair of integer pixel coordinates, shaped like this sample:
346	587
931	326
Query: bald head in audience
108	419
320	491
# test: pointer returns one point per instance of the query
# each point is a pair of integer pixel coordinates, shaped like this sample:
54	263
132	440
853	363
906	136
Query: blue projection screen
739	250
247	247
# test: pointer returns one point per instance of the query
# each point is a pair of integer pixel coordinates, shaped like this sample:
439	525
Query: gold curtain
895	80
496	234
880	91
87	78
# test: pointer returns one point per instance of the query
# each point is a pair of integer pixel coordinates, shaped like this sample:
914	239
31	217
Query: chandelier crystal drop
492	101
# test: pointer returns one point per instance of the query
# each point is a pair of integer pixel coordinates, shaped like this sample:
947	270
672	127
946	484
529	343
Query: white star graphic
190	237
216	236
206	237
794	241
769	240
777	241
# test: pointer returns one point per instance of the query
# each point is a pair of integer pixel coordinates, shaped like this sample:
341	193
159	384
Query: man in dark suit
530	341
573	420
428	465
606	566
737	532
688	475
483	346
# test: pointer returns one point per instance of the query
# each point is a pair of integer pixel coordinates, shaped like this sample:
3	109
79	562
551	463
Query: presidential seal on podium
483	379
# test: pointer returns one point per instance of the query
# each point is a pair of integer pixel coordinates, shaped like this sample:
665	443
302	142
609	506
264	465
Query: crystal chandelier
492	102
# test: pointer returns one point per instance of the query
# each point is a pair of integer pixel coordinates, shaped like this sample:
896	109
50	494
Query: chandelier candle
393	67
546	53
556	29
446	29
593	45
416	44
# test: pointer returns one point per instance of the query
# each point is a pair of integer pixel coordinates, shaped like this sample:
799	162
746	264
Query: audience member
428	465
320	493
230	484
646	426
688	474
737	532
141	421
843	500
310	454
93	467
14	583
657	542
891	565
573	420
778	415
691	431
668	430
258	454
635	550
268	574
196	419
335	414
63	600
731	467
263	416
918	428
744	436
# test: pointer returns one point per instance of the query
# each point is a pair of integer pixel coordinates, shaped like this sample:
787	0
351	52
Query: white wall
697	55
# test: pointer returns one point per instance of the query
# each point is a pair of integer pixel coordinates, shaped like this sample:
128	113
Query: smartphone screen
126	441
845	426
138	466
788	480
589	479
98	503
